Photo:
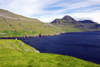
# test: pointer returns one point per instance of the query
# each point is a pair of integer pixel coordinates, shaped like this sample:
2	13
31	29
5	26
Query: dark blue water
81	45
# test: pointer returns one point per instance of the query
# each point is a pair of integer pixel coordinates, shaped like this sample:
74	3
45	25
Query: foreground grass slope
24	56
15	45
13	25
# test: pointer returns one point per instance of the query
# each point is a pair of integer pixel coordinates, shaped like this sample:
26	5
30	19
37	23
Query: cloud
94	15
48	10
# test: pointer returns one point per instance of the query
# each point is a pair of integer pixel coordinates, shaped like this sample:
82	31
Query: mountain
71	25
90	24
13	25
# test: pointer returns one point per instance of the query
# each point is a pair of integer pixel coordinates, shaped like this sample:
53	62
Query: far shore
37	35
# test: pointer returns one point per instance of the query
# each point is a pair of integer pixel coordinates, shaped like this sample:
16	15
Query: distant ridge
87	21
69	23
91	24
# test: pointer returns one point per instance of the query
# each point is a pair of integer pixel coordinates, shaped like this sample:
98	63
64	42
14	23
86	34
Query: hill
71	25
16	45
15	53
13	25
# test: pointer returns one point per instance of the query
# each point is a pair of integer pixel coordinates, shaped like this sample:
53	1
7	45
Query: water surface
85	45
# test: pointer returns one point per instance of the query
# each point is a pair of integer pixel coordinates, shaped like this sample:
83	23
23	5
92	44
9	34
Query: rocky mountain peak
56	21
67	17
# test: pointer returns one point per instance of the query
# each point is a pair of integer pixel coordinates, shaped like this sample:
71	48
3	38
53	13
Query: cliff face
68	21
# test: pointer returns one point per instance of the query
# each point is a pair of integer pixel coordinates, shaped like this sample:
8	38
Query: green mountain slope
12	25
15	53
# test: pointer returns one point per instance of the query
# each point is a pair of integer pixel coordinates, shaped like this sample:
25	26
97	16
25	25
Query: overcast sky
48	10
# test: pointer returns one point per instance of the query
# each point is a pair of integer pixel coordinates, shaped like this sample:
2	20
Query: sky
48	10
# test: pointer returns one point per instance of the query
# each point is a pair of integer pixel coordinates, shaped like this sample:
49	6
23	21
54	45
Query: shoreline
37	35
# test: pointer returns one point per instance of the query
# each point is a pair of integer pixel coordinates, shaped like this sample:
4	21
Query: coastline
37	35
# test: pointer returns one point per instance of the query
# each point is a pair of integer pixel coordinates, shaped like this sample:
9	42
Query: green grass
15	44
11	33
18	57
67	27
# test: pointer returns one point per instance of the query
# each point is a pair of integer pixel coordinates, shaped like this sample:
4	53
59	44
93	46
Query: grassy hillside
15	53
13	25
16	45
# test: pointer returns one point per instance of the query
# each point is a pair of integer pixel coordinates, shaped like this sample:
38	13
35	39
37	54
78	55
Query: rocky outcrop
69	19
56	21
